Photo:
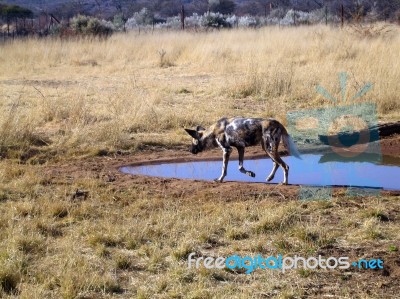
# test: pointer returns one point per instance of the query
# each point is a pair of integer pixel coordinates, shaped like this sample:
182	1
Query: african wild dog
243	132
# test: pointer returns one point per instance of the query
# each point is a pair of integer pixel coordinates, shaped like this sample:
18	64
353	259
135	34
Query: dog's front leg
227	153
241	168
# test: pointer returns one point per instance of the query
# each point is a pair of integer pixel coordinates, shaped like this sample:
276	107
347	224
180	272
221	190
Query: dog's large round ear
192	133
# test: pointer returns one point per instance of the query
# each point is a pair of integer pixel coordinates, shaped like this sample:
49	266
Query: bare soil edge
108	169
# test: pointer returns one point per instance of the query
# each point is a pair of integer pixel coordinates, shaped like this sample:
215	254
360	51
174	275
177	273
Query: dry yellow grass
59	99
134	242
91	94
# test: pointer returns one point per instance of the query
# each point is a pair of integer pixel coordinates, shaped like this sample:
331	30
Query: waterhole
371	171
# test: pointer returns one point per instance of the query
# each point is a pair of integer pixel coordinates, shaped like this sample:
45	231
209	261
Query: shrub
194	20
144	17
214	20
248	21
119	22
85	25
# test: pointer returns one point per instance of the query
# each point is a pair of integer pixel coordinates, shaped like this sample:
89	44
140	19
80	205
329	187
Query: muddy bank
106	168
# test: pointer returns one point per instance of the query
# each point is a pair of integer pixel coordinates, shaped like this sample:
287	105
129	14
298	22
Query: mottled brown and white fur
241	133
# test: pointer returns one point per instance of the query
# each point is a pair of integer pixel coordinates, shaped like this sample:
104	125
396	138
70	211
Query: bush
119	22
194	21
248	21
84	25
214	20
144	17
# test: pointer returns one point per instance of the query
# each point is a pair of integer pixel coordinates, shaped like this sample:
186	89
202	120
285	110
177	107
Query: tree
252	7
197	6
387	8
168	8
68	9
222	6
11	13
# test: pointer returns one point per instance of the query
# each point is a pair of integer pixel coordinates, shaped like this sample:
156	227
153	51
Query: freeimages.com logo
348	131
280	263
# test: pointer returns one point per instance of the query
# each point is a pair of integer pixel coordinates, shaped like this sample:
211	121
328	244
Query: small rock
80	195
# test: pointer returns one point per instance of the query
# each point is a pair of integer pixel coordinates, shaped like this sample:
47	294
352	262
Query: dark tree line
11	14
383	9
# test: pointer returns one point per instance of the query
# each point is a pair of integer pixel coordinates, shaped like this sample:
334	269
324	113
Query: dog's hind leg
278	160
273	171
271	148
241	168
266	147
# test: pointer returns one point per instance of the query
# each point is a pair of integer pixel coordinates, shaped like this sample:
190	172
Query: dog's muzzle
194	149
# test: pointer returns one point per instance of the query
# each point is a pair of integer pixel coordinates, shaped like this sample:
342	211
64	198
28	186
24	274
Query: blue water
313	169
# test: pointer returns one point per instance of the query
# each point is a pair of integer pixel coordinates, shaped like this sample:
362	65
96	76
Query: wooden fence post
326	15
183	17
294	17
342	13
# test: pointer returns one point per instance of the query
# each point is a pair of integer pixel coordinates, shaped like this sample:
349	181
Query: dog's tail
289	144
